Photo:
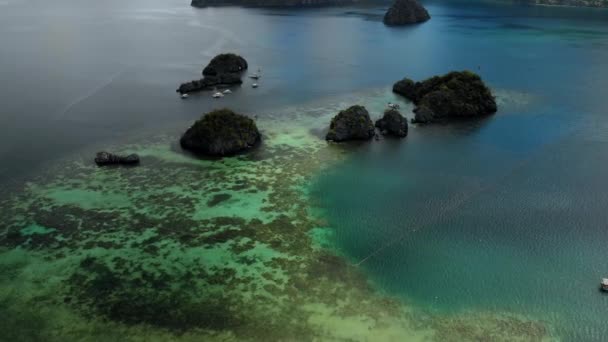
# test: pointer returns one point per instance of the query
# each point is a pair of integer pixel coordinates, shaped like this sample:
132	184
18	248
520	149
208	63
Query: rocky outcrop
106	158
227	63
272	3
406	12
351	124
221	133
455	95
392	123
223	70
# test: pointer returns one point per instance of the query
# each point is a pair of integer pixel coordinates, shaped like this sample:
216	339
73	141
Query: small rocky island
353	123
221	133
406	12
106	158
223	70
392	123
458	94
271	3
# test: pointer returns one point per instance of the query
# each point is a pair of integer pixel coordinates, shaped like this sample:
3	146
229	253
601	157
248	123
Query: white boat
184	96
255	76
227	91
393	105
255	85
218	95
604	284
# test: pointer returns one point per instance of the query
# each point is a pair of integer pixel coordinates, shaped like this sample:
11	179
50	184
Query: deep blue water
508	213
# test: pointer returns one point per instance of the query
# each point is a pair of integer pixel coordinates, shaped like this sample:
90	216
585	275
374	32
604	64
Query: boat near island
255	85
604	285
227	91
217	95
255	76
184	96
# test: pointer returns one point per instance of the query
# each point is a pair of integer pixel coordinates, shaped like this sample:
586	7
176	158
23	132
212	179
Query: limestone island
406	12
221	133
272	3
353	123
458	94
392	123
223	70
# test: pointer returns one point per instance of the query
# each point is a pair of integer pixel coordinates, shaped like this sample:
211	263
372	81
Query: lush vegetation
221	132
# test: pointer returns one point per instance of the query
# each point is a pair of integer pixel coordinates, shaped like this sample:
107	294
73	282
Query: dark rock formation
423	115
455	95
392	123
351	124
208	83
223	70
227	63
405	87
271	3
405	12
221	133
106	158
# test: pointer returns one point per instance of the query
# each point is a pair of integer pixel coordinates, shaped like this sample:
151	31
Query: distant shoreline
273	3
567	4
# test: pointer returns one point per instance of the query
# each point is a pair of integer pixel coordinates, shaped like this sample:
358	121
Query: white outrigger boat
184	96
604	284
255	76
393	105
217	95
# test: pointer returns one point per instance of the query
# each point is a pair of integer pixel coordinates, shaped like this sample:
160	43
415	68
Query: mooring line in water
87	95
465	197
436	218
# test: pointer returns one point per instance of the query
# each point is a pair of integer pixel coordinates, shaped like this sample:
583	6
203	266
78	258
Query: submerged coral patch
188	249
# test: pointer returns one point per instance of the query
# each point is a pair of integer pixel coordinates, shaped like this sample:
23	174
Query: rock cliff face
221	133
454	95
351	124
392	123
271	3
406	12
224	69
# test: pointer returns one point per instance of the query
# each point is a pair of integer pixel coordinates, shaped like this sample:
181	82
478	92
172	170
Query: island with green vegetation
223	70
271	3
458	94
406	12
221	132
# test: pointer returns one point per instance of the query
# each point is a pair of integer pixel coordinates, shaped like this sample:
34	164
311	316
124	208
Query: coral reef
185	249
